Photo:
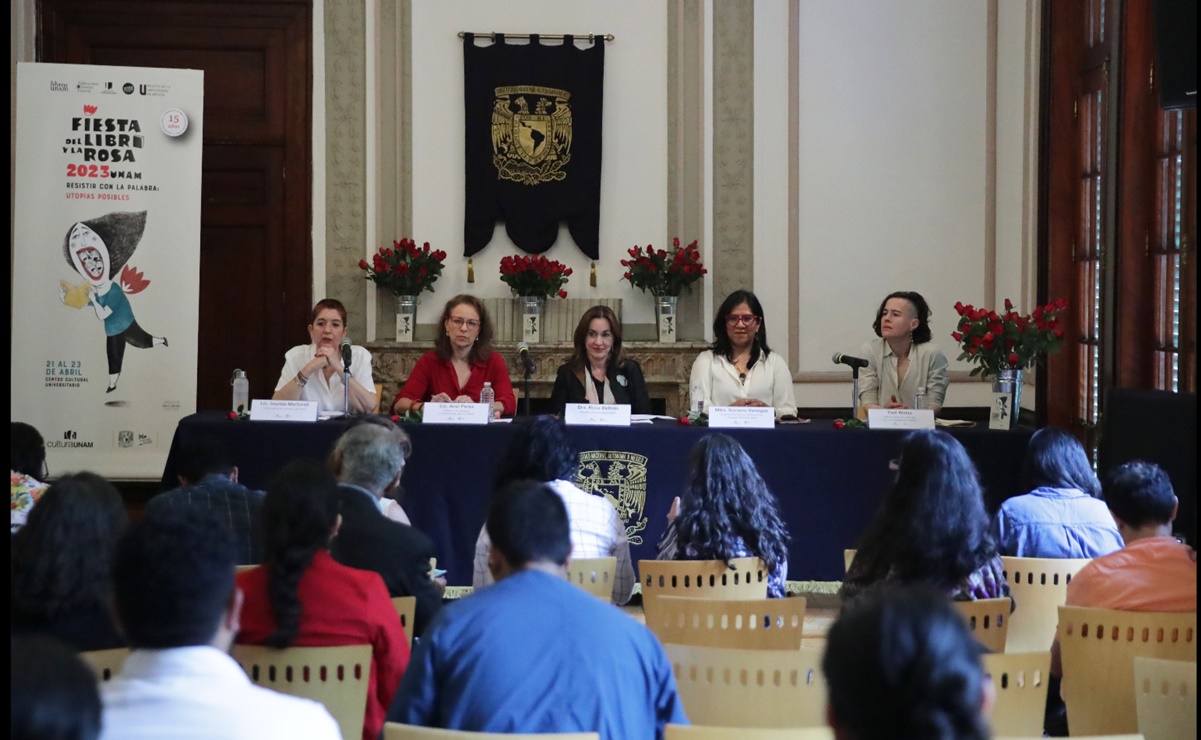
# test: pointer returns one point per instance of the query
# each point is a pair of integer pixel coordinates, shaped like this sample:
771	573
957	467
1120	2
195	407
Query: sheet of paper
742	417
264	409
597	414
900	419
455	413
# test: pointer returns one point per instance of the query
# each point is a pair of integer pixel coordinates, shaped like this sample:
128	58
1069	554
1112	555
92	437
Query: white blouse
878	381
715	381
329	395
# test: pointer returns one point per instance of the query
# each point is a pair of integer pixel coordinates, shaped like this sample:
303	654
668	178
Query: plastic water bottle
241	399
698	403
919	399
488	396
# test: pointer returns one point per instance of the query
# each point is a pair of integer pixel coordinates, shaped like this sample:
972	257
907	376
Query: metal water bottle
487	397
241	399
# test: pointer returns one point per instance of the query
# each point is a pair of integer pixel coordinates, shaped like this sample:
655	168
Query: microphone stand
528	373
346	386
855	392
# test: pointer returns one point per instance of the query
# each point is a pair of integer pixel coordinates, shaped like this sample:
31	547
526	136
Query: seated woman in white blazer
739	369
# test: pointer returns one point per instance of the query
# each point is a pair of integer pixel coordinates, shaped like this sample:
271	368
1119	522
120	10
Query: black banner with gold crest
533	142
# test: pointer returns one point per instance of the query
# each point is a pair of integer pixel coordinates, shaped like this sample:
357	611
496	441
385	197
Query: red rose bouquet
1009	341
534	276
404	269
661	272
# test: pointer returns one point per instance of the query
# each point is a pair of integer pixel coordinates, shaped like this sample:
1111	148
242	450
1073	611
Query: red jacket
432	376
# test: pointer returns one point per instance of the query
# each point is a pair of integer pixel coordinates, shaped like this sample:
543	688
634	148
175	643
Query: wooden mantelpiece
665	366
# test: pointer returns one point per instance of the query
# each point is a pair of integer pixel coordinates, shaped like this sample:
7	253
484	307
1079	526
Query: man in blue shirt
534	653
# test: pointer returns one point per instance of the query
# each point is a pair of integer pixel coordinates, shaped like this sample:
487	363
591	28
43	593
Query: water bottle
487	396
241	399
698	403
919	399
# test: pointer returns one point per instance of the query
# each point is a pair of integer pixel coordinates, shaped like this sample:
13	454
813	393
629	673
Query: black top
569	389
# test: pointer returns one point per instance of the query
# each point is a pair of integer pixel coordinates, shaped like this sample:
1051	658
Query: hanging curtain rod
560	36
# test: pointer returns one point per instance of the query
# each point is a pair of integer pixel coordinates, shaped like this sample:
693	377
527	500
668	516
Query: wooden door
256	213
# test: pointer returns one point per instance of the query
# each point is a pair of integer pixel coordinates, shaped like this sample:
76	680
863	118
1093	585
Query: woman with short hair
903	359
314	372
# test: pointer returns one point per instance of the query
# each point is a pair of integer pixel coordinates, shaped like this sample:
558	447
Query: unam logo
58	86
125	439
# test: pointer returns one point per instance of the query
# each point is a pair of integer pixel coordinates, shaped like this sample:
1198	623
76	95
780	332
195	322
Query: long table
828	481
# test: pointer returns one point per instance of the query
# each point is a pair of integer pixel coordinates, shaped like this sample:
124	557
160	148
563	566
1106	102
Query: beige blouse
878	381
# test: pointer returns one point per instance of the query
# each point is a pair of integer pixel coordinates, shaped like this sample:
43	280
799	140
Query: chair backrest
1039	587
379	395
406	607
594	575
744	578
732	687
105	663
988	620
759	624
335	676
1075	737
1098	648
1020	680
685	732
1166	697
396	731
848	557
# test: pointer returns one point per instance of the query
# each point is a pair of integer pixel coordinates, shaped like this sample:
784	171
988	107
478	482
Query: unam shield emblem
621	478
530	147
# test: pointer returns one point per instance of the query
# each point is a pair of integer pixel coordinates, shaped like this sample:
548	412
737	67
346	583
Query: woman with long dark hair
739	369
599	371
61	560
1062	515
931	527
727	512
27	467
301	596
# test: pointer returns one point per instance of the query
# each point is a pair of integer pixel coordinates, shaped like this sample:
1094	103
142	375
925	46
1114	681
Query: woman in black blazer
598	371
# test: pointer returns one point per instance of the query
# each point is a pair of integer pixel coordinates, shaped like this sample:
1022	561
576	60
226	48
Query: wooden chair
1166	697
594	575
1098	648
761	624
396	731
848	557
1020	680
684	732
744	578
406	607
1076	737
335	676
379	395
730	687
1039	587
105	663
989	621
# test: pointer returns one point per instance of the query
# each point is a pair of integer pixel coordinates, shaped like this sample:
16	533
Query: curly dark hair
27	450
901	662
541	451
483	342
1056	459
931	526
727	499
921	334
721	340
299	514
579	356
61	558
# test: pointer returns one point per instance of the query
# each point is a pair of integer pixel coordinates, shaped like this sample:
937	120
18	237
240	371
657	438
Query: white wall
634	165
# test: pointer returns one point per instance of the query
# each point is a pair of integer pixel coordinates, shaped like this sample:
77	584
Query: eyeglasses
748	319
469	323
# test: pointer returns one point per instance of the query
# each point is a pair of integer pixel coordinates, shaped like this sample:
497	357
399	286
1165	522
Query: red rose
971	350
959	308
957	336
426	248
675	242
1014	359
1037	313
626	276
567	271
684	421
838	424
233	414
562	294
1058	333
1061	304
633	252
362	264
650	250
987	341
1008	305
394	417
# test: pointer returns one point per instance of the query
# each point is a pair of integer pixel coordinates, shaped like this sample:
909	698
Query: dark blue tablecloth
828	481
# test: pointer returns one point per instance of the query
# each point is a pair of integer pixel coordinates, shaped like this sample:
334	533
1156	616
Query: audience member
533	653
176	600
53	692
1062	516
727	512
61	560
208	479
27	471
303	597
931	526
543	452
368	460
901	663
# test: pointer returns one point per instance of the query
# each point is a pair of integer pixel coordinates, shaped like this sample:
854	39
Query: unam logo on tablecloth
621	478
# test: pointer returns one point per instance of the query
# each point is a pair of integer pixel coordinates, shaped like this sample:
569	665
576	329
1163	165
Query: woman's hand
894	404
332	358
464	398
674	511
749	402
440	398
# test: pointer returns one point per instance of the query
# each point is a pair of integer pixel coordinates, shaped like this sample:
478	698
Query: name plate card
598	414
900	419
742	417
455	413
264	409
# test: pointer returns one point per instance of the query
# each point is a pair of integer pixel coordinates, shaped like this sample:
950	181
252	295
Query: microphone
346	353
523	353
841	359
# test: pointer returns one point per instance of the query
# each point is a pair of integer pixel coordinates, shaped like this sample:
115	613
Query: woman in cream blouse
903	359
739	369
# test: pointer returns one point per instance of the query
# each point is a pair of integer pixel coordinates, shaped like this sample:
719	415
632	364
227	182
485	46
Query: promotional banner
533	142
106	262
